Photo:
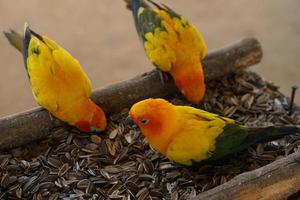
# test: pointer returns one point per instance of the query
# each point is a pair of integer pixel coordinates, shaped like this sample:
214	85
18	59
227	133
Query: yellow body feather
173	45
195	135
53	71
178	44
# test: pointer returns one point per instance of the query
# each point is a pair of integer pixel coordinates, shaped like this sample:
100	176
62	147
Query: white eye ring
144	121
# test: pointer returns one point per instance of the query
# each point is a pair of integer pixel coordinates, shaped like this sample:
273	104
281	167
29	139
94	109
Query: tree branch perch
36	124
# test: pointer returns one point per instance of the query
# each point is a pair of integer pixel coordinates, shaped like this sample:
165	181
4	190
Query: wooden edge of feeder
29	126
278	180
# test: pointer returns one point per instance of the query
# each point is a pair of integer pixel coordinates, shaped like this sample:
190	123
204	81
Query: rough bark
35	124
276	181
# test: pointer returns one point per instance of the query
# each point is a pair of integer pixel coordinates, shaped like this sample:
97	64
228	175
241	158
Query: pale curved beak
128	121
95	130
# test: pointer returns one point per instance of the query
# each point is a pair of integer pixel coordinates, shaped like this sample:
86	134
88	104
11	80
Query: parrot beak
95	130
128	121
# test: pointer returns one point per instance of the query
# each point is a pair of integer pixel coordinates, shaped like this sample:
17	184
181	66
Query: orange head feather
156	118
190	82
92	119
98	122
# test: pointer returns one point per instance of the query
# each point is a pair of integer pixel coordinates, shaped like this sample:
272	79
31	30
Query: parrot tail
135	5
129	3
26	41
15	39
236	138
267	134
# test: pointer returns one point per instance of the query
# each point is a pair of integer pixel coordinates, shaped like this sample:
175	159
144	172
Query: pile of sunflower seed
120	164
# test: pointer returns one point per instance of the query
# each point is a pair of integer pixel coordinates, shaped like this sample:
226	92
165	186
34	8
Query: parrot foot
297	159
163	77
292	99
51	117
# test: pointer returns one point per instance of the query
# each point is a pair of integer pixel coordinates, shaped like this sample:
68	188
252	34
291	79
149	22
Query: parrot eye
144	121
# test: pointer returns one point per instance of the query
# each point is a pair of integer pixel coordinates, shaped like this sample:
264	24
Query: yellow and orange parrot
57	80
188	135
173	45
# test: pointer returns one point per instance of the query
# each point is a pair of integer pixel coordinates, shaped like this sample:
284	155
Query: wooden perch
36	124
276	181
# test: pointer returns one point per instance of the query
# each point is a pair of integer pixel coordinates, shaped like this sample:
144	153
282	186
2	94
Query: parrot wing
163	32
235	137
211	137
145	18
158	37
52	72
229	141
39	66
195	140
203	115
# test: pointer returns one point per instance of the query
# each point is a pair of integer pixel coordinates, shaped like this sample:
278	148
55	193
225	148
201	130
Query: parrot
191	136
57	81
173	45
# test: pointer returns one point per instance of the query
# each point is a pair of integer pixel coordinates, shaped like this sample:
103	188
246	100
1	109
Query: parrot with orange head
189	136
58	81
172	44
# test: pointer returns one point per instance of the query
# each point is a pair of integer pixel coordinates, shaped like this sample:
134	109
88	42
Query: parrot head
98	122
190	83
156	119
95	123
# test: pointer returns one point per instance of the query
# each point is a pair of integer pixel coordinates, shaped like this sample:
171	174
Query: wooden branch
276	181
35	124
238	56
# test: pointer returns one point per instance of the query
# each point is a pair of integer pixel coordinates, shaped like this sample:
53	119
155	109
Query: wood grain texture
36	124
276	181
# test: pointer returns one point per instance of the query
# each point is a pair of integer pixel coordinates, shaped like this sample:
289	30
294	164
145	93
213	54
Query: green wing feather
229	141
148	20
236	138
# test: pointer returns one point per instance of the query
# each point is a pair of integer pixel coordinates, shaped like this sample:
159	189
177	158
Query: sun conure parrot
57	80
187	135
173	45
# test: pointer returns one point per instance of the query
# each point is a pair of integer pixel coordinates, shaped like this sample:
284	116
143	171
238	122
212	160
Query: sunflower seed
63	169
113	134
95	139
54	162
143	193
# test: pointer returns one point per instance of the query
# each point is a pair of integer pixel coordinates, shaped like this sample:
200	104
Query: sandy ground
101	35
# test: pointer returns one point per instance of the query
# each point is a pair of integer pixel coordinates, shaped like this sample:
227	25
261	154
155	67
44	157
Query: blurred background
101	35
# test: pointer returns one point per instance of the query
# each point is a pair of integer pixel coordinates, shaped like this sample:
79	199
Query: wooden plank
276	181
